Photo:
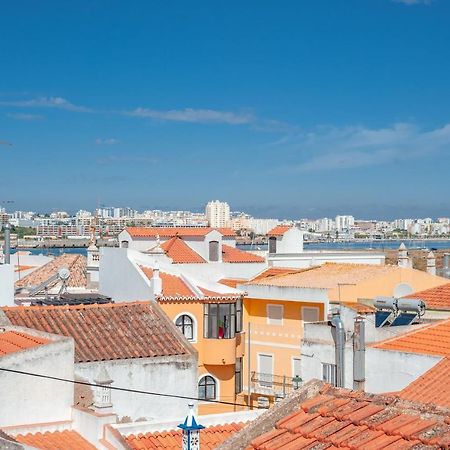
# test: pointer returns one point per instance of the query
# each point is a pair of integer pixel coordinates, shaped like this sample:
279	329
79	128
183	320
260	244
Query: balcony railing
274	385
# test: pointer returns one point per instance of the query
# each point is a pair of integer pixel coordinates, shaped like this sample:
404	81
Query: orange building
212	322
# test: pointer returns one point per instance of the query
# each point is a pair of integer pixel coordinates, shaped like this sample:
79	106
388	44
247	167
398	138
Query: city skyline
303	111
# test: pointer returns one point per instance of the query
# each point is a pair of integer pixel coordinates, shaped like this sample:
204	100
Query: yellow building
279	301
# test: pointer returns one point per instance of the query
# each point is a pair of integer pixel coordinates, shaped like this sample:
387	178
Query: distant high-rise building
218	214
344	222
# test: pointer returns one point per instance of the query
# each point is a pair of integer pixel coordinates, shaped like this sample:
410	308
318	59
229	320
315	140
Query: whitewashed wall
168	375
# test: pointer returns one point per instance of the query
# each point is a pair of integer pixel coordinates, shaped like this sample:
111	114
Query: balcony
219	352
273	385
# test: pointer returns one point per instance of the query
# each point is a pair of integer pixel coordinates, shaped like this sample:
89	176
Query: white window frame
272	356
269	321
311	308
329	367
207	374
295	358
194	323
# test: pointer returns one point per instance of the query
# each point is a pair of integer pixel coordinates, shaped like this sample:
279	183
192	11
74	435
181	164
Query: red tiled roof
234	255
279	230
57	440
433	339
275	271
172	285
105	332
75	263
339	418
180	252
176	231
210	438
232	282
432	387
435	298
12	341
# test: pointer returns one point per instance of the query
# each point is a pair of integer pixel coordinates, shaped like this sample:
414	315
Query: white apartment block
218	214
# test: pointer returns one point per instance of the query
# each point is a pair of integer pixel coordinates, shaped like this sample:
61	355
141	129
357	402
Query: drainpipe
339	348
7	232
359	354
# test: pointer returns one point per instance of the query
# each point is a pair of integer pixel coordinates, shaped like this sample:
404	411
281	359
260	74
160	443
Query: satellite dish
64	273
402	289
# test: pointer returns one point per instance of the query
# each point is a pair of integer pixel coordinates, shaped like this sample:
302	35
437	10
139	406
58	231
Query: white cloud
46	102
334	148
108	141
26	117
194	115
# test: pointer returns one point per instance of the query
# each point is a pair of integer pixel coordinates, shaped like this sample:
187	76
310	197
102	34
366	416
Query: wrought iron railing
276	385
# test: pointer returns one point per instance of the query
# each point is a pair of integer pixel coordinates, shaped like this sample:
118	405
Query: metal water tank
385	303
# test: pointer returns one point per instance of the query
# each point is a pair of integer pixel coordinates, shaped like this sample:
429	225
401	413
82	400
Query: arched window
207	388
185	324
272	244
124	244
214	251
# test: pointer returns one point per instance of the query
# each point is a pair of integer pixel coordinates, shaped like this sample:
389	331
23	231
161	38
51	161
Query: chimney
102	399
403	259
156	281
191	430
359	354
7	230
339	341
431	264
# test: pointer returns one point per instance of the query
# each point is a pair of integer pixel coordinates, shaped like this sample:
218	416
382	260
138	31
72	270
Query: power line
133	391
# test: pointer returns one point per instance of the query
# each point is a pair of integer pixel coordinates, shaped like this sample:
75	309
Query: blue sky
282	108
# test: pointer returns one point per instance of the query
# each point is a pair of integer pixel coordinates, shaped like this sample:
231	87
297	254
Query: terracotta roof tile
172	285
343	419
12	341
176	231
360	308
435	298
180	252
279	230
433	339
232	282
105	332
75	263
275	271
432	387
210	438
57	440
234	255
328	275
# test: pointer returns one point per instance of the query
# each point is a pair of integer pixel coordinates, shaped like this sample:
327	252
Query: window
329	373
238	376
124	244
214	251
220	321
238	315
265	369
185	324
275	314
296	364
272	244
310	314
207	388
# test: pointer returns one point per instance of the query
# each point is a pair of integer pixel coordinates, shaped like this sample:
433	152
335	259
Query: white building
136	343
389	366
218	214
344	223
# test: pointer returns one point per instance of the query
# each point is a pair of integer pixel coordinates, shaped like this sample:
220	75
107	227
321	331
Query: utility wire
133	391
